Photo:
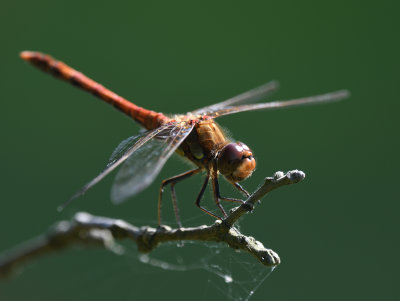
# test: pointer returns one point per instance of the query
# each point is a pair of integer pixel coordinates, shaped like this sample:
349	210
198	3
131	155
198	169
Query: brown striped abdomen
148	119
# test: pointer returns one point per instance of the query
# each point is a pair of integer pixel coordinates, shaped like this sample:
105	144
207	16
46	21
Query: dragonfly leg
200	195
217	194
241	189
175	205
173	181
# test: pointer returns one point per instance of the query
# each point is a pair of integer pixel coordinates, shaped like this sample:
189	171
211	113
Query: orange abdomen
148	119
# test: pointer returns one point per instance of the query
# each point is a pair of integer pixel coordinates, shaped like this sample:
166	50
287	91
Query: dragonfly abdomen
148	119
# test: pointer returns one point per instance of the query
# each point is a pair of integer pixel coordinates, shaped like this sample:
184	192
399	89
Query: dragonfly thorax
235	161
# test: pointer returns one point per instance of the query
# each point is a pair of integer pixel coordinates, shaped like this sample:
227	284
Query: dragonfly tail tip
26	55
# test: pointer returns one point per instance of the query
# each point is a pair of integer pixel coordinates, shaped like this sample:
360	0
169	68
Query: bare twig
88	230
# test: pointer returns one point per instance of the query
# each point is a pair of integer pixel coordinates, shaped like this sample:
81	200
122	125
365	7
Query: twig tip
296	176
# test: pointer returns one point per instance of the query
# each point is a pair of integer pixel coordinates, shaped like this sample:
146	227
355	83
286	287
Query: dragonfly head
236	162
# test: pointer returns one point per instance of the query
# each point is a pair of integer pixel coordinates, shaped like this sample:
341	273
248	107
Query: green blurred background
337	232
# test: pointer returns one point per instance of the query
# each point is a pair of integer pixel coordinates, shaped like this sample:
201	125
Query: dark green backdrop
337	232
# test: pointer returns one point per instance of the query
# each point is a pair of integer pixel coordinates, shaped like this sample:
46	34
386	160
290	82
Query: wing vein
142	139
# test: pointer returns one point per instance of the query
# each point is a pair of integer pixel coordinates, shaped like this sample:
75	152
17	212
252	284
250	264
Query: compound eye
231	153
236	161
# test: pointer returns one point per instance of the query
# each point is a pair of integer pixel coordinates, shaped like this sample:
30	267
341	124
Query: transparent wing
143	166
120	154
329	97
253	95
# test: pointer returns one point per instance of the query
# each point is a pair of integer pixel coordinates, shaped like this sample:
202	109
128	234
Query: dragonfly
195	136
